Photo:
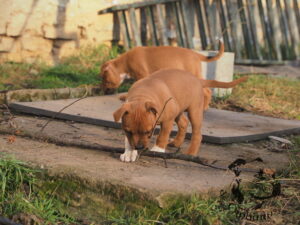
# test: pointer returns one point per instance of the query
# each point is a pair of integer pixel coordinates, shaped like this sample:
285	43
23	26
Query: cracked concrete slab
220	126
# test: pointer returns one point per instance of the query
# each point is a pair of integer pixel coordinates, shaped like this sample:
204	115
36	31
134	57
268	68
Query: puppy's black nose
139	147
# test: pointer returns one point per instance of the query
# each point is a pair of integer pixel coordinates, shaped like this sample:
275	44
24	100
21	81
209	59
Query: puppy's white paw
129	156
157	149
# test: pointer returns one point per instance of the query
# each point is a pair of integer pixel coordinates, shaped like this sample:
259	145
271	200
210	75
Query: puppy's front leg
163	137
130	155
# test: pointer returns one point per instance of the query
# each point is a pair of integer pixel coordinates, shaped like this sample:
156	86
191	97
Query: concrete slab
220	126
148	175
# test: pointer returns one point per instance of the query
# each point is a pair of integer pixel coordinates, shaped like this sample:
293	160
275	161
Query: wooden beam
201	27
133	5
124	29
162	27
134	28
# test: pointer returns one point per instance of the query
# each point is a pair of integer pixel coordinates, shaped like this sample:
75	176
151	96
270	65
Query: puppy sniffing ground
141	62
162	98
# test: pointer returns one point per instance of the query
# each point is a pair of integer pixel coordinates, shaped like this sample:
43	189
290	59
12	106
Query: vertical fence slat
179	15
124	29
245	29
161	25
275	29
173	23
187	25
211	13
297	14
266	34
253	28
143	26
134	28
152	27
200	23
292	25
284	29
224	28
116	29
178	25
233	20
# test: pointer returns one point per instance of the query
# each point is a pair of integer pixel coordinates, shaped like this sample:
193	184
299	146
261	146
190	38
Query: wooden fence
258	31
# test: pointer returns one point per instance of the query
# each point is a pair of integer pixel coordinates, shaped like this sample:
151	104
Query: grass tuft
265	95
21	199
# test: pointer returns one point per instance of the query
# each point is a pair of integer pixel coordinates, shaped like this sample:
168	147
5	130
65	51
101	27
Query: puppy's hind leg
196	116
207	97
182	124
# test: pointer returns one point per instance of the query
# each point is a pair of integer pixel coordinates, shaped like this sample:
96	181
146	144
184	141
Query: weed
270	96
21	196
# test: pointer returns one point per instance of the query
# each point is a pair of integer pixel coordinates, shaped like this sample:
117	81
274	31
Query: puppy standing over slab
140	62
162	98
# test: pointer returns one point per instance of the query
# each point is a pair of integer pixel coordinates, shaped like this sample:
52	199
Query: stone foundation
51	29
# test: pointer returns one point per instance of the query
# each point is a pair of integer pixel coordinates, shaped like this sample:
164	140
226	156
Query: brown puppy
140	62
163	98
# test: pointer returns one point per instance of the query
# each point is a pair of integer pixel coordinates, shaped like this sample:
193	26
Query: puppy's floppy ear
151	107
121	111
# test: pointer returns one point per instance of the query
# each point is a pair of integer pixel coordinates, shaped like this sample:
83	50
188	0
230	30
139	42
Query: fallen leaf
11	139
269	171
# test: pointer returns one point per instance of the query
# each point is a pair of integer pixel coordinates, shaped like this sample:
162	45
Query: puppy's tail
219	84
213	58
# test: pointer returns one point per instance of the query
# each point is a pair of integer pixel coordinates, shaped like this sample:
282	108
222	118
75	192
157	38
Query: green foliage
21	195
265	95
82	67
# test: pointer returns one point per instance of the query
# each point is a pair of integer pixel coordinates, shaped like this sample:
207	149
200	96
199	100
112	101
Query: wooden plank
134	28
162	28
187	23
292	25
253	28
178	25
172	25
211	14
266	34
143	26
284	29
152	26
116	29
133	5
233	21
275	29
124	29
297	14
245	29
201	27
181	22
224	27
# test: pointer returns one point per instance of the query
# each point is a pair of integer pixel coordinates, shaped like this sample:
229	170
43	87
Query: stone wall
50	29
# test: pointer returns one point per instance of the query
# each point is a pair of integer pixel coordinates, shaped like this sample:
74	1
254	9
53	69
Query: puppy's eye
146	132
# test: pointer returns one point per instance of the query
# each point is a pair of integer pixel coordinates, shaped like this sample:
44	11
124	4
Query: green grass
265	95
21	199
56	200
80	68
